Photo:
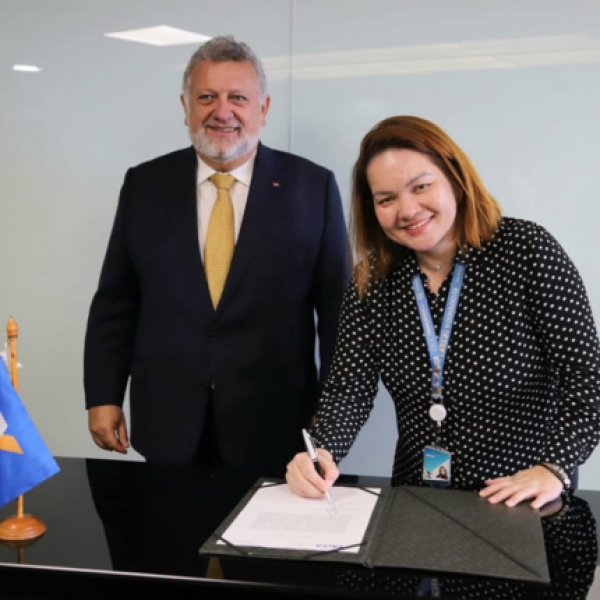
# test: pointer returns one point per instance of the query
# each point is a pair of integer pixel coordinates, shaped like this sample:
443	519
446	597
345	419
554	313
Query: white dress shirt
206	194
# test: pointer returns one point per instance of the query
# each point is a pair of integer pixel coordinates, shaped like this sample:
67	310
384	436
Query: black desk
119	529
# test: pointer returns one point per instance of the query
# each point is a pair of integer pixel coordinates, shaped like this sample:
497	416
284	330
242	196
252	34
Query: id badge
436	466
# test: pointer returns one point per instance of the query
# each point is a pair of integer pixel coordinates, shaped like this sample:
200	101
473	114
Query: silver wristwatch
559	472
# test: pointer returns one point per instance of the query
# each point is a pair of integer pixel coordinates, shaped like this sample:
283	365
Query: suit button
213	336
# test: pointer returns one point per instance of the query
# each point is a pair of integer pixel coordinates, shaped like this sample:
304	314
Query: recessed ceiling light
161	35
26	68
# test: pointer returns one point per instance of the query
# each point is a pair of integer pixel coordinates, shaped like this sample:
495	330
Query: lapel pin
276	184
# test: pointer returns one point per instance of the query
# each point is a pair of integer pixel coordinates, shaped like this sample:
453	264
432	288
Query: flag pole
12	331
20	527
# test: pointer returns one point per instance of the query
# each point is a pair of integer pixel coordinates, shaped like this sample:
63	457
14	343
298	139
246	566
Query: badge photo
436	465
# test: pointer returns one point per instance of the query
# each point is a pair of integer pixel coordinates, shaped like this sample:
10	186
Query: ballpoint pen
312	452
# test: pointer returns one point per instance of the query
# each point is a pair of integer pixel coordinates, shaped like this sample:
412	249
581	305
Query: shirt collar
243	173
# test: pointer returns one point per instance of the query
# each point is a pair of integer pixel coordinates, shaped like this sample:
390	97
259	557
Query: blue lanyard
437	349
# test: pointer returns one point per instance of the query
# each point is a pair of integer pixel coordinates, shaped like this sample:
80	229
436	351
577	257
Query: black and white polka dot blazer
522	370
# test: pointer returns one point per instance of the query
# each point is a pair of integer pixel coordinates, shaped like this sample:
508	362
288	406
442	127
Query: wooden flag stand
19	530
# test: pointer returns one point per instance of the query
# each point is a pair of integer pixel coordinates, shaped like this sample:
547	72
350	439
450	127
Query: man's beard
212	151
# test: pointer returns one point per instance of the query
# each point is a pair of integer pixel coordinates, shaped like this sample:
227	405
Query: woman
478	325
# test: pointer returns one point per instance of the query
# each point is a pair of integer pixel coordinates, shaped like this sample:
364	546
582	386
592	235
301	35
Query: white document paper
277	518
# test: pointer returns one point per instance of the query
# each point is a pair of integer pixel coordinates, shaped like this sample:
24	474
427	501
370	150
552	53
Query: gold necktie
220	239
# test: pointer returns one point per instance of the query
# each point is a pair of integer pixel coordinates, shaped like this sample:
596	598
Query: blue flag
25	460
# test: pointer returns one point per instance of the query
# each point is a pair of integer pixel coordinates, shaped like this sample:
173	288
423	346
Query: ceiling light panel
161	35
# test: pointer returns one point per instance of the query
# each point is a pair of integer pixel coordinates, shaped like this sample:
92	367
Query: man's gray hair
225	48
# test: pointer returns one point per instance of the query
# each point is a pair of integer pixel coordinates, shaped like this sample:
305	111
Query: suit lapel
268	181
184	223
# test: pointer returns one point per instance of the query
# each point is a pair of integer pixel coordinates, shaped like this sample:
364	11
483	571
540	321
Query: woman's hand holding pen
303	479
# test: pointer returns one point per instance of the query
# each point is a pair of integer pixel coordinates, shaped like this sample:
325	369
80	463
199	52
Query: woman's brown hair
478	214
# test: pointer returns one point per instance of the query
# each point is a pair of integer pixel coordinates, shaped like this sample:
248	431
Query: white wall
515	82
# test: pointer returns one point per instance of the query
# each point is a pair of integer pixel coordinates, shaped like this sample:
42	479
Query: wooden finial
12	330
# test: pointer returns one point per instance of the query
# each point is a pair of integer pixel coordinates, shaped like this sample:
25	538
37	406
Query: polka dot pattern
522	370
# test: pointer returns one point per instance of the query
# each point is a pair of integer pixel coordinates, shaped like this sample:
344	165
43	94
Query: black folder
429	529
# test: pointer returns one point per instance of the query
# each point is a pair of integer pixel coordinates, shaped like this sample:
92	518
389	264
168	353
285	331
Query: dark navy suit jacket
152	322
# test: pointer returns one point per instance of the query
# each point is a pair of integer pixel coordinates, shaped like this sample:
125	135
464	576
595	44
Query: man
217	376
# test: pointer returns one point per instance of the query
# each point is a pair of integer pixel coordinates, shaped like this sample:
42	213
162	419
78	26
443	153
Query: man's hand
108	428
536	483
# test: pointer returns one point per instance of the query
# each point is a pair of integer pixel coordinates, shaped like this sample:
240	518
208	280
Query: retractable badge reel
437	412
